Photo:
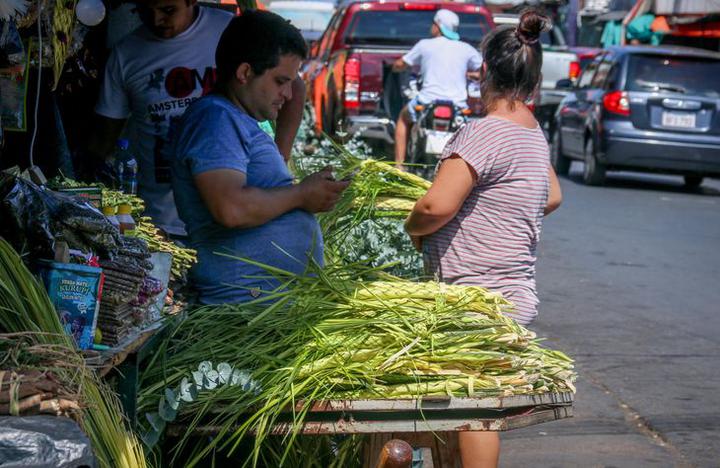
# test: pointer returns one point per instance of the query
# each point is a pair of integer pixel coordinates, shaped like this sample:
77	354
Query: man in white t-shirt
151	77
444	65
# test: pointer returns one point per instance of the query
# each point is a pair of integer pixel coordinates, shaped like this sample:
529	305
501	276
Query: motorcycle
436	123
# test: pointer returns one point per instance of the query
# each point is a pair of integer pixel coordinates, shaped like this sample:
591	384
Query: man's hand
399	65
473	75
321	191
101	146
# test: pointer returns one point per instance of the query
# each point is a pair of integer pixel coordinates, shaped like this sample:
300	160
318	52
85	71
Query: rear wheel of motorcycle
411	150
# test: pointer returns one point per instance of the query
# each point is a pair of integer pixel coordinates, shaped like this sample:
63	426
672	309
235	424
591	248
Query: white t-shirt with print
443	67
151	81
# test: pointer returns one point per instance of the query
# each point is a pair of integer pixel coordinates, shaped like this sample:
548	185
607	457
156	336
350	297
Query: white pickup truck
559	63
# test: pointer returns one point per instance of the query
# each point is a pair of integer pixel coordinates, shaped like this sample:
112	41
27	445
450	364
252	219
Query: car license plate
436	141
678	119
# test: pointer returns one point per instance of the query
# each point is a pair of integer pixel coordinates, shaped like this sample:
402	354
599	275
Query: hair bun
530	26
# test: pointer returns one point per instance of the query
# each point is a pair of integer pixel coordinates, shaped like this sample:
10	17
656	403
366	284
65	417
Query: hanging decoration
63	22
90	12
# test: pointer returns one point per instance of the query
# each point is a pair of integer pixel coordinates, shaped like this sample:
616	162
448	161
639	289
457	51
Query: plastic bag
34	218
43	441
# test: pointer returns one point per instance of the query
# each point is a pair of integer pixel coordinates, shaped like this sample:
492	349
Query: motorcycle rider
444	65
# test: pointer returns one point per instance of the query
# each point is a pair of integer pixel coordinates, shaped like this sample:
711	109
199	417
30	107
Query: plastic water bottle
126	168
130	176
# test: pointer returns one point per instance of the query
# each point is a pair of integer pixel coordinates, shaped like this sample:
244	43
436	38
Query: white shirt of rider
443	67
151	81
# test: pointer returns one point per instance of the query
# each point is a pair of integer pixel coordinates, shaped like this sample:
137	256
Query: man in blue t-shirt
232	187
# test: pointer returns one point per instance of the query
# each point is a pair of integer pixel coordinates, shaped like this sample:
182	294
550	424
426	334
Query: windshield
407	27
685	75
305	20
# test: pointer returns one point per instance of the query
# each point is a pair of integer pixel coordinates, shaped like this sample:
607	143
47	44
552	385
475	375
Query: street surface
629	283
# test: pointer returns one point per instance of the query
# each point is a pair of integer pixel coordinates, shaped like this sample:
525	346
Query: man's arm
101	143
100	146
400	65
408	60
111	112
289	118
235	205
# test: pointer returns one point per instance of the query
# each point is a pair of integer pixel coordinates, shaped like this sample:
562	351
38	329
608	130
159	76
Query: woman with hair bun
480	222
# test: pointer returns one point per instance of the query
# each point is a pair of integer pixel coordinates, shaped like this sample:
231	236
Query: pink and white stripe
492	241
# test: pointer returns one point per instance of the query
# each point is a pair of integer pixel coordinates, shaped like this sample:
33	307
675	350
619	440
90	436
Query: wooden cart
425	429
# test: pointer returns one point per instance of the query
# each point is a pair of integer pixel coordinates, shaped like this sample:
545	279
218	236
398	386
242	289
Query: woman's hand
417	242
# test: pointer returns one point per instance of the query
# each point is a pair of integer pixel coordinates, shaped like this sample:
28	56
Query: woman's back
492	240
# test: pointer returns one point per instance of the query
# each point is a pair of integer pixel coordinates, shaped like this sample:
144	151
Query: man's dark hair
258	38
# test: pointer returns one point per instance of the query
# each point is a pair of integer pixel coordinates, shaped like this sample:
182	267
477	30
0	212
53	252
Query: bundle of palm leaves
26	308
330	336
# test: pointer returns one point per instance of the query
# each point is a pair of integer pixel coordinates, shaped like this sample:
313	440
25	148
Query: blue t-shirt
215	134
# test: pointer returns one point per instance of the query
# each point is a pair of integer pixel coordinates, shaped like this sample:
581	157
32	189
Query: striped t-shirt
492	241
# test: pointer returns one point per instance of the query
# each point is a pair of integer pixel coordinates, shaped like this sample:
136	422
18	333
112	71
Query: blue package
74	291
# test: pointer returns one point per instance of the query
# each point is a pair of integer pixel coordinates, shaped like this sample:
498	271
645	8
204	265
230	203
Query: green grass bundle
332	336
26	308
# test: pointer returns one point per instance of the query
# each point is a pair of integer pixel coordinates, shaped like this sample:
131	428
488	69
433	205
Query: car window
601	74
305	20
407	27
587	75
613	79
685	75
326	40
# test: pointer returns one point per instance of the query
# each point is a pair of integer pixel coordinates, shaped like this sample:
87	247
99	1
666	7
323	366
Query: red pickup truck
347	66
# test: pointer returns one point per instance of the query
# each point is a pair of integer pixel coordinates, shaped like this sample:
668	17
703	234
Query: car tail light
352	82
419	6
617	102
531	106
574	71
442	112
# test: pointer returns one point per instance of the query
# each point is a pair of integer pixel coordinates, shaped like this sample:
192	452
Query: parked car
643	108
350	63
559	63
310	17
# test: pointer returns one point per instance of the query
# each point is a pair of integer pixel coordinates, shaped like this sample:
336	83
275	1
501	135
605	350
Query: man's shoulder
469	48
130	43
424	43
217	113
216	16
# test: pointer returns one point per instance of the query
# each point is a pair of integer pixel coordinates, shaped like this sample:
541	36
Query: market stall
100	330
349	350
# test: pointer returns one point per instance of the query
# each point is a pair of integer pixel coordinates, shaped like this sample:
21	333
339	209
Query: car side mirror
565	83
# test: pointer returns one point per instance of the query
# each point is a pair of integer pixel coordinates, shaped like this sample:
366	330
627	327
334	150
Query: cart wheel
396	453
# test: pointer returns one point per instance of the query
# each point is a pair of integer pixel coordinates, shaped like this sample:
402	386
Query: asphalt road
629	282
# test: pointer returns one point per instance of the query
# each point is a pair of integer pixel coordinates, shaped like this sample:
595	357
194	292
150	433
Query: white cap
448	23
